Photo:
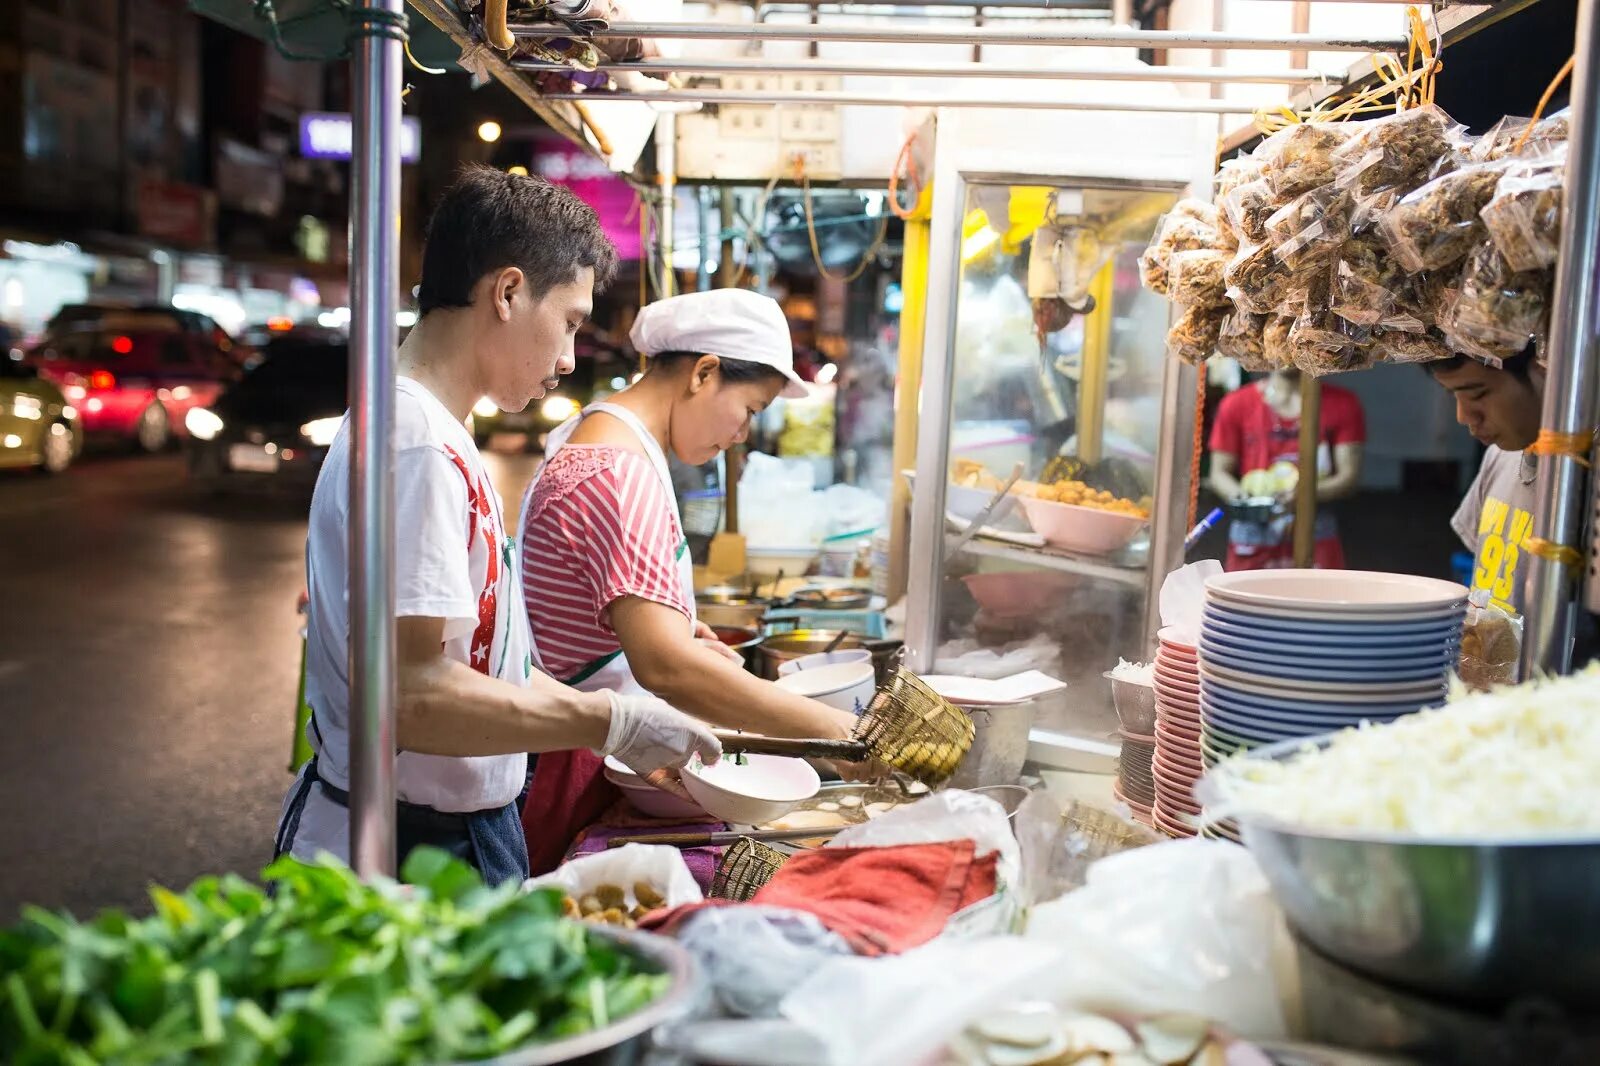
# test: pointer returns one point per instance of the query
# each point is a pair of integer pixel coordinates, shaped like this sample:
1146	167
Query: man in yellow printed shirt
1501	408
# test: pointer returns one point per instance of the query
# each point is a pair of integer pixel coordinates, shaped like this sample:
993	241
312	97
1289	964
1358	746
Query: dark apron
489	840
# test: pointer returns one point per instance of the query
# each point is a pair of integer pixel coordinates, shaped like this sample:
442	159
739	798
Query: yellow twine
1560	554
1574	446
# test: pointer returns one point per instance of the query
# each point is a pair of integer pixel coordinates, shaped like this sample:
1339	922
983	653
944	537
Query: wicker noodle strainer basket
745	867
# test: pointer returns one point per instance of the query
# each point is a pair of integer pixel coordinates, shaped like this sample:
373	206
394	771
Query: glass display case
1045	370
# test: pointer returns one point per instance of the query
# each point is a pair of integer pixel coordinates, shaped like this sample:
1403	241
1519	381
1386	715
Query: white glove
648	735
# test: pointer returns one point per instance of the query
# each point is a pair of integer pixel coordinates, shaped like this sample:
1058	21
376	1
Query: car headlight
485	408
202	423
559	408
321	431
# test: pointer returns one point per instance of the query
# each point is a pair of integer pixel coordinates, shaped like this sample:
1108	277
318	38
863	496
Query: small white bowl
646	798
770	562
764	788
824	658
843	686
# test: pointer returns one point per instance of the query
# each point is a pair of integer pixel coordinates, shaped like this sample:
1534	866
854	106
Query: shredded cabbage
1519	761
1138	673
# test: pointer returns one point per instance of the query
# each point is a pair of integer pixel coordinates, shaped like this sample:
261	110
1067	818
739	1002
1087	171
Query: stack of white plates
1176	765
1296	653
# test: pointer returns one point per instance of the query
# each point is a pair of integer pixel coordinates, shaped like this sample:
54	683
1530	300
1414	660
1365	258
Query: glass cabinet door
1057	374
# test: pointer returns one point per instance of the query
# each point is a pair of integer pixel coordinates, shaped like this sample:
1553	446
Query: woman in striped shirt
606	572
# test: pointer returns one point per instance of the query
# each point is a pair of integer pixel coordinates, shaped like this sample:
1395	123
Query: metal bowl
626	1041
1471	921
1135	704
742	639
729	606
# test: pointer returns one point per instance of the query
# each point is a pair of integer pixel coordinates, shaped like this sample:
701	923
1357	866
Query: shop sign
329	135
598	186
175	213
249	179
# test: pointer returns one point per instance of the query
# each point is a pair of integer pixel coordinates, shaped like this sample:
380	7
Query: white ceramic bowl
967	504
844	686
770	562
646	798
764	788
1082	529
824	658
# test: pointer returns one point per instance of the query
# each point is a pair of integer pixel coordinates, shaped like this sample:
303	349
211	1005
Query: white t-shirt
454	559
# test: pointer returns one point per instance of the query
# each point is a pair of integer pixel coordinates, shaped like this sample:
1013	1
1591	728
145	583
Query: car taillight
102	379
122	345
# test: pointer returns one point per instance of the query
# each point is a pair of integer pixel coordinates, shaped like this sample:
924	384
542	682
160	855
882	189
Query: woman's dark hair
488	220
733	371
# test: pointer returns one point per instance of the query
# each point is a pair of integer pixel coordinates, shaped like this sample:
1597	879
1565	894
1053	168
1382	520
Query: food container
790	561
820	598
999	746
1135	704
729	606
843	686
1473	921
1090	530
825	658
783	646
742	639
628	1040
646	798
1020	593
750	789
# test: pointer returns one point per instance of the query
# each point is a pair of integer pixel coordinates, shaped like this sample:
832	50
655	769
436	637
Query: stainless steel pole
1082	37
701	65
376	32
1179	106
667	182
1562	498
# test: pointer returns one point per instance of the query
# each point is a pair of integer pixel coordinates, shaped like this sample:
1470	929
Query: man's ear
503	287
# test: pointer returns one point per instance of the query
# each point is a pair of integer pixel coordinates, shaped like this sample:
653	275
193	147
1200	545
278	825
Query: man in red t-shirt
1259	425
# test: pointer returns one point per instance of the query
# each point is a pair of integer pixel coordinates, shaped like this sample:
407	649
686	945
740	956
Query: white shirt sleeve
433	576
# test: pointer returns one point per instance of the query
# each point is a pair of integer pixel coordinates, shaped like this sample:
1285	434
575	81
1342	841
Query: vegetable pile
326	970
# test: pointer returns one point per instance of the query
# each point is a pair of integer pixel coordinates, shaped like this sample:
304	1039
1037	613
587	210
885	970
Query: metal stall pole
1558	552
376	34
1305	493
667	182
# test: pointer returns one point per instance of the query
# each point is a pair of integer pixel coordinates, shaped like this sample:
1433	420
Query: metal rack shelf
1056	559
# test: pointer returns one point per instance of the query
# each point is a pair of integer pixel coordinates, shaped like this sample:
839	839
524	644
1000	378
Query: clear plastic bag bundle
1243	339
1321	342
1258	281
1197	278
1500	140
1524	215
1198	210
1491	645
1193	338
1302	157
1439	224
1308	231
1400	152
1178	231
1399	346
1275	340
1497	308
1248	207
1236	172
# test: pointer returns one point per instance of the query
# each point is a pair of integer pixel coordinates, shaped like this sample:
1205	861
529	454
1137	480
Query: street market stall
1405	884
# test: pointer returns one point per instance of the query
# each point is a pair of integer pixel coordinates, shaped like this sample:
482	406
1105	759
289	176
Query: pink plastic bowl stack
1176	765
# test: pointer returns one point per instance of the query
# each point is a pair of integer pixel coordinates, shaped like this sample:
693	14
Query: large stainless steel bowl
626	1041
1475	921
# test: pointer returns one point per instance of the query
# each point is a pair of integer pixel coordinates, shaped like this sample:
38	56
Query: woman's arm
668	660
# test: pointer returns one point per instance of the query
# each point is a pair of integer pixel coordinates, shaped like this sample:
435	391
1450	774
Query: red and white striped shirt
600	527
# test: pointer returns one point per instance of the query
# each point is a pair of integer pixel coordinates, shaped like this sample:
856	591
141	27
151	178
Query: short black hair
488	220
733	371
1519	365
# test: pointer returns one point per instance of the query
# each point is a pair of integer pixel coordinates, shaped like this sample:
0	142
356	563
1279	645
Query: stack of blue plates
1297	653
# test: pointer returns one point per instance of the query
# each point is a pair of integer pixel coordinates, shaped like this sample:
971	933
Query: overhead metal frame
847	99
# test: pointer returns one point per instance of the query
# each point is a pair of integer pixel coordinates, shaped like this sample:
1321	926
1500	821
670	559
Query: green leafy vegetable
326	969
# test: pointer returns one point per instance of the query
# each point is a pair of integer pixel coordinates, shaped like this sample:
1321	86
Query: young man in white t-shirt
508	274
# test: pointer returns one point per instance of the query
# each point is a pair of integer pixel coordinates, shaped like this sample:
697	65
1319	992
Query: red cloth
882	901
568	793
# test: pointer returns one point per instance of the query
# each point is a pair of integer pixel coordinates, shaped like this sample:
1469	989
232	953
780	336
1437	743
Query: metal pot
629	1040
831	599
1469	921
782	645
999	746
729	606
742	639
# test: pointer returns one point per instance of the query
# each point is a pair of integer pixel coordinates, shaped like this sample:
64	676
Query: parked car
38	428
134	373
273	426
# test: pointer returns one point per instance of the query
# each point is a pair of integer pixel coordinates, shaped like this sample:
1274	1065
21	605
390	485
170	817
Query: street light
519	170
489	131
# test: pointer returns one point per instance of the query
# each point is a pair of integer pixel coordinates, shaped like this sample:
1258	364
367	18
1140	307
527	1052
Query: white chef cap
728	323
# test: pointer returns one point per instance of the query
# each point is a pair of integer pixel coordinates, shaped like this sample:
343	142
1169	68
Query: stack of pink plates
1136	783
1177	764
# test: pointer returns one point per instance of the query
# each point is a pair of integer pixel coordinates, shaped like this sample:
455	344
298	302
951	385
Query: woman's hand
708	637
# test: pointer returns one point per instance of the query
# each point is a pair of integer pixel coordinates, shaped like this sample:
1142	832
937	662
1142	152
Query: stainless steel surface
1009	797
1305	493
853	99
627	1041
703	65
744	639
666	138
999	746
1470	921
780	646
1135	704
1085	37
1173	487
374	283
730	609
1563	504
981	519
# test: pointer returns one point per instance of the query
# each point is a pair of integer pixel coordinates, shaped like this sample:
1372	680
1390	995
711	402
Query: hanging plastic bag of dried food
1243	339
1500	140
1401	346
1247	208
1258	281
1302	157
1491	645
1366	279
1498	308
1439	224
1524	216
1178	231
1196	279
1309	231
1193	338
1323	343
1399	152
1275	341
